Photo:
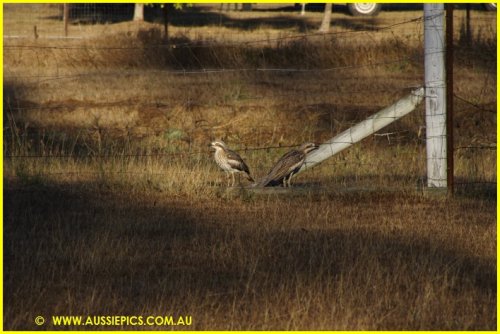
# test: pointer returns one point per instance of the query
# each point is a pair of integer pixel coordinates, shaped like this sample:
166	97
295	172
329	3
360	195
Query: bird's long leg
290	180
234	179
227	179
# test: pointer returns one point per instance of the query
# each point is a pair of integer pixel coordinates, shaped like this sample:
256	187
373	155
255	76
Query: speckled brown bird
287	166
230	161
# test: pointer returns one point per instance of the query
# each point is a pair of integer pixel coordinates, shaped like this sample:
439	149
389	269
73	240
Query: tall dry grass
114	205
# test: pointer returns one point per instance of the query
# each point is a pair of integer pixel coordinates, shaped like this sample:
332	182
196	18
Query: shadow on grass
186	17
197	17
71	248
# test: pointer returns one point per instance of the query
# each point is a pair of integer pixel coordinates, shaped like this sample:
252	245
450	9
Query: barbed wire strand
205	71
475	105
193	153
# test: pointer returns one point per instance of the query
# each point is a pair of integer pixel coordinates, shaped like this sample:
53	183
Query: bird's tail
249	177
261	183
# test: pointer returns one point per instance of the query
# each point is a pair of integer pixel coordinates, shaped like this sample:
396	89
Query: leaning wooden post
363	129
435	95
66	18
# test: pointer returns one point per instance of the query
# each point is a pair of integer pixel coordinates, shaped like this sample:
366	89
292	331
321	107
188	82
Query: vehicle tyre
364	9
491	7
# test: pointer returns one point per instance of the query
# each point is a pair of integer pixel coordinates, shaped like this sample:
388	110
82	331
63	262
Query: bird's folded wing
288	163
235	161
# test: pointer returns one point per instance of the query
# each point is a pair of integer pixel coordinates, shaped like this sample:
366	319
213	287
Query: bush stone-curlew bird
287	166
229	161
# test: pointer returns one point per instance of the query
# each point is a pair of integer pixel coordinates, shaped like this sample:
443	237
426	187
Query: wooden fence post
363	129
449	98
435	97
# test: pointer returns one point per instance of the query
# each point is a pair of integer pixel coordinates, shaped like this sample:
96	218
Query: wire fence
131	96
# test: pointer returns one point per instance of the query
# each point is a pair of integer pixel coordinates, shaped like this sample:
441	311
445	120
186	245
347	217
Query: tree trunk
303	9
246	7
327	17
165	10
66	18
139	12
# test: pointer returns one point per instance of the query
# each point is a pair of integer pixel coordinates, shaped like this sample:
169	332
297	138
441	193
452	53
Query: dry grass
345	261
122	211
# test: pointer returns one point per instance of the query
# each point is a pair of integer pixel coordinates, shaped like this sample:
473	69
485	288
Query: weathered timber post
435	95
363	129
449	98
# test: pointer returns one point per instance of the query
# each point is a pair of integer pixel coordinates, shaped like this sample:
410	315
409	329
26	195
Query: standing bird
229	161
287	166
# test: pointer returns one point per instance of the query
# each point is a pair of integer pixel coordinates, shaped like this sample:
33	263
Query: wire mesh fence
122	99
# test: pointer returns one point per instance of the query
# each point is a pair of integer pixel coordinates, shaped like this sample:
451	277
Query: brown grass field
114	205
